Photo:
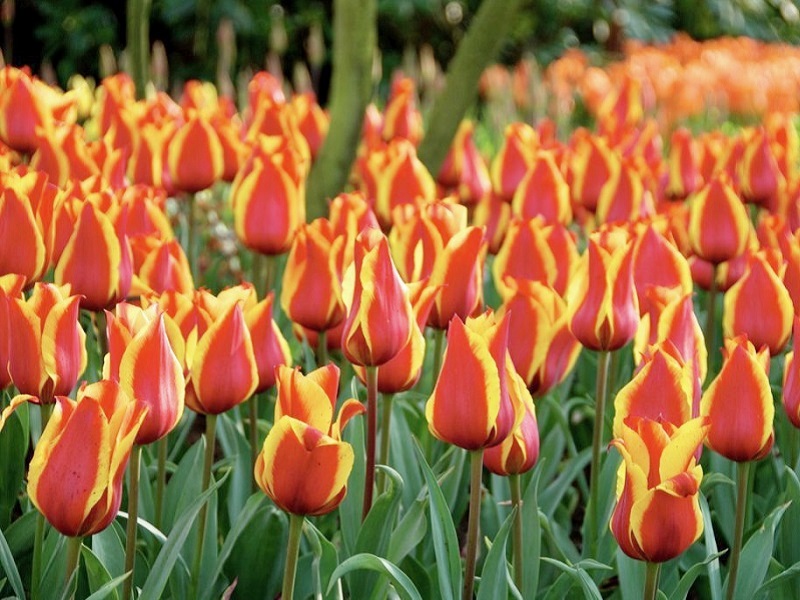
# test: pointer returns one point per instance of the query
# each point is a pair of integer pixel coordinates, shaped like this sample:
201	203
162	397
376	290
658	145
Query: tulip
402	119
718	223
593	164
10	288
543	192
28	254
514	159
658	263
791	383
524	256
759	306
23	110
96	261
194	156
493	214
624	196
759	174
657	515
75	476
463	169
683	175
165	267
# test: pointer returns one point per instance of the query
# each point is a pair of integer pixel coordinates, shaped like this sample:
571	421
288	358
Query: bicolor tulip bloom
194	156
657	516
222	368
49	346
624	196
270	347
739	404
540	342
464	171
312	121
27	255
96	261
593	164
543	192
10	288
143	359
514	160
657	262
24	109
165	267
493	214
311	295
524	256
760	177
791	379
759	306
75	476
401	118
471	406
719	227
303	465
519	452
683	165
379	317
603	302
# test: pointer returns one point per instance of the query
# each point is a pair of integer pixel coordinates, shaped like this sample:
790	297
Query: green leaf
714	577
108	588
552	495
184	485
788	544
531	535
10	567
402	584
756	555
494	577
236	447
169	554
13	449
631	576
325	561
779	580
410	531
241	523
351	507
688	579
96	573
579	575
445	542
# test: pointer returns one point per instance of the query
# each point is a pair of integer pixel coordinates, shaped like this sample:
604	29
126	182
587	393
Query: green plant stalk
208	462
292	552
138	32
101	334
476	470
321	352
652	573
516	502
73	561
438	353
270	272
161	480
711	309
372	433
742	491
254	449
386	424
46	410
133	515
593	516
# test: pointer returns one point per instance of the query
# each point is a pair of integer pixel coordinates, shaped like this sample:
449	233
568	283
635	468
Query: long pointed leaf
10	567
494	580
402	584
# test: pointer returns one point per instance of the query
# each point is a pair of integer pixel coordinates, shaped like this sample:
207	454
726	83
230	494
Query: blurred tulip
22	110
739	405
759	175
543	192
464	170
514	160
683	175
75	476
195	156
718	223
593	164
658	263
493	215
401	118
624	196
166	268
657	515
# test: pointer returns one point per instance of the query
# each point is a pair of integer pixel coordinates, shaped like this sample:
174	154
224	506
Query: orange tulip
49	346
96	261
543	191
658	263
624	196
657	516
759	306
23	111
593	164
28	255
471	406
791	379
269	345
165	267
759	175
311	295
10	288
194	156
514	159
464	170
683	175
738	404
75	476
493	215
718	223
524	256
379	317
603	303
401	118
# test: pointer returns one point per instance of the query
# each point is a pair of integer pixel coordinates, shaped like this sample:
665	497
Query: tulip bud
683	176
524	256
593	164
463	170
269	345
543	192
195	156
10	288
165	267
759	175
402	120
22	111
658	263
28	255
514	159
718	224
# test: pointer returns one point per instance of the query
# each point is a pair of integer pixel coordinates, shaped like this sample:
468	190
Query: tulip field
557	363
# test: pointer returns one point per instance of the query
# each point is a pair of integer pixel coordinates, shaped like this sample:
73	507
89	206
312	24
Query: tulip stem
41	523
372	431
322	349
385	438
711	310
603	362
651	581
742	490
438	351
253	405
476	470
133	515
270	272
73	563
516	502
211	437
99	324
161	479
292	552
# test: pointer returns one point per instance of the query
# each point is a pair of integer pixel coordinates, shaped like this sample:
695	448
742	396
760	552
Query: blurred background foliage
58	38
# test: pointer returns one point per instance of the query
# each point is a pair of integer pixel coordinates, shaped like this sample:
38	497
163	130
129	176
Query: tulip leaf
788	541
170	552
10	567
351	507
184	485
445	542
402	456
96	572
401	582
756	555
579	575
109	588
494	577
688	579
714	577
410	531
324	563
552	495
13	449
531	534
781	579
241	523
631	576
236	447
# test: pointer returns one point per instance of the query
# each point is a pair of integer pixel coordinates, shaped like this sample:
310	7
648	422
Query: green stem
711	309
73	562
651	581
593	517
211	436
292	552
256	273
161	479
138	32
254	449
438	352
516	502
372	432
101	335
476	470
386	424
41	524
270	272
133	515
742	490
322	349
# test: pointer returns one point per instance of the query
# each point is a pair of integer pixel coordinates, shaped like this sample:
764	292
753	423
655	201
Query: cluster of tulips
594	243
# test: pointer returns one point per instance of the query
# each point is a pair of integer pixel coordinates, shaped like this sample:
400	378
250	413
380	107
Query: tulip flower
75	476
165	267
683	175
28	254
759	175
402	119
96	261
657	515
10	288
514	159
658	263
593	164
23	110
194	156
624	197
463	169
759	306
493	215
524	256
718	223
49	346
791	380
543	192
